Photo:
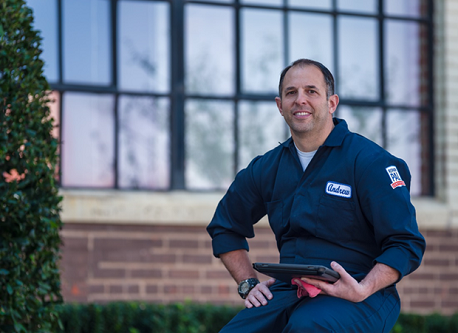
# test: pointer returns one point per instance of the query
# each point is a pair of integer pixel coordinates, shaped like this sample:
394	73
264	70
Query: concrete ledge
190	208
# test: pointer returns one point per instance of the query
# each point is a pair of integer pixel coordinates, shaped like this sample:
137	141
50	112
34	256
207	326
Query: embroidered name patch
396	179
340	190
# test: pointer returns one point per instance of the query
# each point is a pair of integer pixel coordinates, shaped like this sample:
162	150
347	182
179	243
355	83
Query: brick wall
103	263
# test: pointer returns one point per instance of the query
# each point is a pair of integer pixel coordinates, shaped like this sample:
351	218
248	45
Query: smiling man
333	198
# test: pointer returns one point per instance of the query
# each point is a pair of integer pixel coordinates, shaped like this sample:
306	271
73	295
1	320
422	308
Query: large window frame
178	95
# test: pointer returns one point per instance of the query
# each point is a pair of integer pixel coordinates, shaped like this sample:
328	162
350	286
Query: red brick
436	262
183	244
206	289
448	248
197	259
151	289
421	276
163	258
449	276
422	304
185	274
96	289
146	273
220	274
115	289
171	289
133	289
109	273
127	250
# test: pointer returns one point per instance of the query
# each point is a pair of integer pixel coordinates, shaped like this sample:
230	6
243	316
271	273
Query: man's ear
332	103
278	101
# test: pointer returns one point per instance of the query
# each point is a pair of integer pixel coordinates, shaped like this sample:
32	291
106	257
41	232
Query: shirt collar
334	139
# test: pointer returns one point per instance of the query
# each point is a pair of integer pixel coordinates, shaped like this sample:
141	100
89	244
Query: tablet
286	272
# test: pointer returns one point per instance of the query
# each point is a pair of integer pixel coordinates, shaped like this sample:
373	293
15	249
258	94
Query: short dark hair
328	78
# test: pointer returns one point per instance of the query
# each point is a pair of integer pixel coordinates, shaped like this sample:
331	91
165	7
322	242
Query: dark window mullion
381	70
237	83
114	82
177	115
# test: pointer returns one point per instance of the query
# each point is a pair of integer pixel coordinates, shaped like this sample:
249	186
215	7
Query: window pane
406	81
358	58
363	120
144	160
209	50
407	138
262	2
311	37
365	6
262	56
261	128
209	144
412	8
45	20
86	43
143	46
87	140
312	4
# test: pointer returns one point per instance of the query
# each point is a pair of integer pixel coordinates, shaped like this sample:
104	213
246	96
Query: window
163	95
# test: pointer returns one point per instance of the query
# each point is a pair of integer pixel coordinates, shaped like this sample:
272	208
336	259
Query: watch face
244	287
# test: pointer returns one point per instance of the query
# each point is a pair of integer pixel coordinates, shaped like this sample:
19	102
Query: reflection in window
262	55
144	160
209	144
311	37
404	135
87	140
402	63
358	58
86	41
311	4
363	6
45	20
412	8
143	46
209	45
363	120
261	128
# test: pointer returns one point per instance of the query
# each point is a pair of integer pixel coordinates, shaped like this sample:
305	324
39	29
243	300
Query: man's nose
301	98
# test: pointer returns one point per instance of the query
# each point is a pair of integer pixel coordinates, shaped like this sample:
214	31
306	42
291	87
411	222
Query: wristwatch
246	285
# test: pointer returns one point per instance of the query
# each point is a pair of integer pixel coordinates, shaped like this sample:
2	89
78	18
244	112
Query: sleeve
384	190
241	207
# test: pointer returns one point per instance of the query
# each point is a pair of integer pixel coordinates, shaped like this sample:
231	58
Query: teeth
302	113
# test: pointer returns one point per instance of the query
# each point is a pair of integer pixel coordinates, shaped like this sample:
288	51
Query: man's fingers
259	295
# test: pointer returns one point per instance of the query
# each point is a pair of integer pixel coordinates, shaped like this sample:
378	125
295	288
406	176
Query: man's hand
259	295
348	288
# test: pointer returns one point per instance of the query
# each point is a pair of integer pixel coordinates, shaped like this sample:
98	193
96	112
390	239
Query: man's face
304	104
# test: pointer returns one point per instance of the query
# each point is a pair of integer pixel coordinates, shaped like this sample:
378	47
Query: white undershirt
305	157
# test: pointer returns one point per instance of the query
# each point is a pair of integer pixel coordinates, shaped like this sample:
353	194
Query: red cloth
305	289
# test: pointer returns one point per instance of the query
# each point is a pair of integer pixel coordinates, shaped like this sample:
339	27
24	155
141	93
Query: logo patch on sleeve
396	179
340	190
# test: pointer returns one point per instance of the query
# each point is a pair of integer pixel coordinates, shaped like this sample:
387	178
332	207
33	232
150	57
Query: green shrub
29	201
137	317
134	317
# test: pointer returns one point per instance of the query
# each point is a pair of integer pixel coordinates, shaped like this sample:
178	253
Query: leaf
9	289
4	271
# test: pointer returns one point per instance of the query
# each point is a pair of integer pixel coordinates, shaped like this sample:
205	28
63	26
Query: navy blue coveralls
351	205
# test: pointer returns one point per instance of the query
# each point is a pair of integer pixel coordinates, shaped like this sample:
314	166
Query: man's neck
308	142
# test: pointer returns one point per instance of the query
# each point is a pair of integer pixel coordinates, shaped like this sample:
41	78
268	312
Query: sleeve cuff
226	242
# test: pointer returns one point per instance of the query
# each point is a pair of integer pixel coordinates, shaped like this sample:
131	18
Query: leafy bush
29	200
135	317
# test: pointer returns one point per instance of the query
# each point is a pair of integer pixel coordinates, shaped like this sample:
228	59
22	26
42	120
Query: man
333	198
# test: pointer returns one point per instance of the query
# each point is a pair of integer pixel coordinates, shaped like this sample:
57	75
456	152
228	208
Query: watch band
245	286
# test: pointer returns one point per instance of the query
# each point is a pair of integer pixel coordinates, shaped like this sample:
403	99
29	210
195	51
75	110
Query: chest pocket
336	219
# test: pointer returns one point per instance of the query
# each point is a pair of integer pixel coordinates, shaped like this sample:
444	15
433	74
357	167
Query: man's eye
289	92
312	91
